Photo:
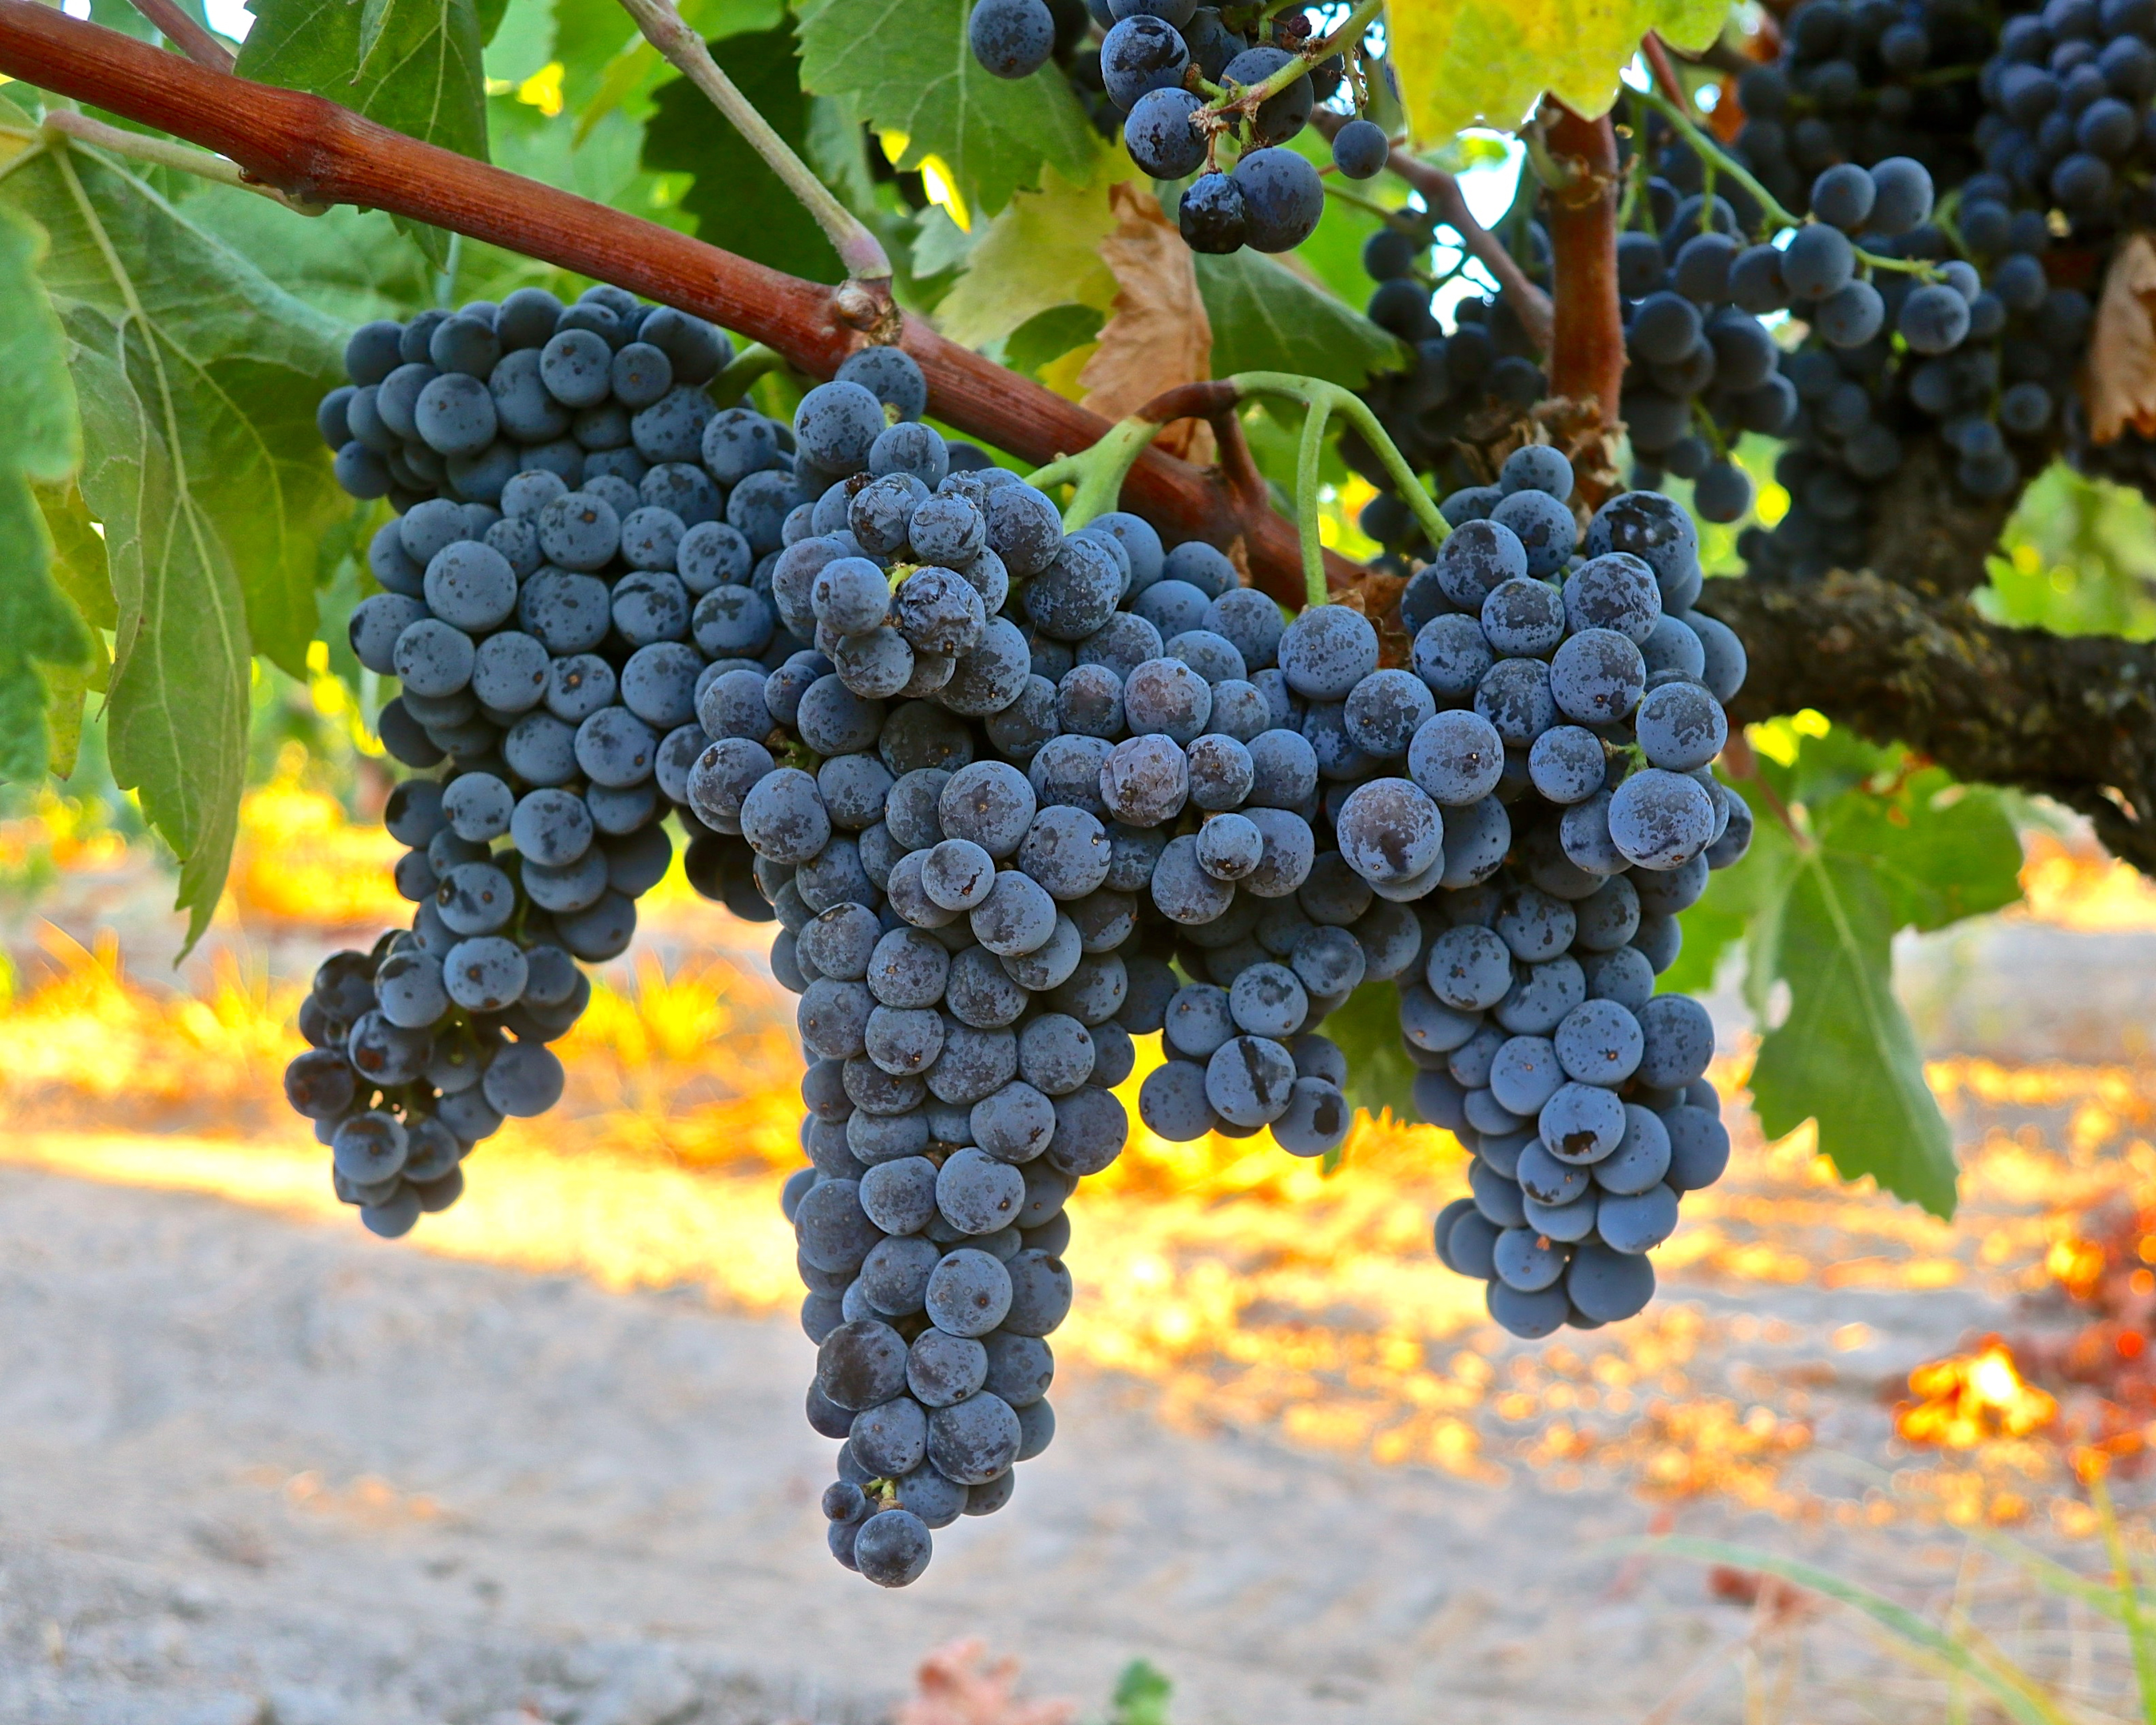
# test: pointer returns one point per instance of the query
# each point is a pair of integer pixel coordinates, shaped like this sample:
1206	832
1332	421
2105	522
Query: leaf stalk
669	32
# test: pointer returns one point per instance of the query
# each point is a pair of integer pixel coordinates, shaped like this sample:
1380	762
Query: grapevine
1030	740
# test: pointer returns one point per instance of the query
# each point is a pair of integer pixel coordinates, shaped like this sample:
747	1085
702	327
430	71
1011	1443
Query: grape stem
1309	452
1722	161
66	124
1309	391
1098	472
1247	99
753	362
669	32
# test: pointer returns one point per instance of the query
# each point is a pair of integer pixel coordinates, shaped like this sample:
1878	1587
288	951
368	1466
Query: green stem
1252	97
1352	407
1720	161
158	152
666	30
1099	472
1708	150
1308	455
753	362
1398	218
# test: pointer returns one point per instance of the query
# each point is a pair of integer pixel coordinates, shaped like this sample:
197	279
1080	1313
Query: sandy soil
254	1470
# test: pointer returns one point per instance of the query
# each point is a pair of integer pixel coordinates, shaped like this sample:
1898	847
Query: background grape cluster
2036	125
1141	77
2006	159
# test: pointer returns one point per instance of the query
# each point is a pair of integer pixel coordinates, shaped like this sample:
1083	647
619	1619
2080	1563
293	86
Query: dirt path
253	1470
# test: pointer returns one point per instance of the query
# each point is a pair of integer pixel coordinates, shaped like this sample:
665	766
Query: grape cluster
1975	389
557	612
1046	767
1150	54
1579	702
1700	368
2067	125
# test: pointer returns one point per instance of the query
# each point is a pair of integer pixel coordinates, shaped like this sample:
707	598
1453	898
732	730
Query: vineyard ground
251	1470
257	1468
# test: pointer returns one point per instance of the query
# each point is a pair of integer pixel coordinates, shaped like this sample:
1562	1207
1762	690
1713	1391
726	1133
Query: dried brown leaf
1159	336
1377	596
957	1686
1574	428
2119	386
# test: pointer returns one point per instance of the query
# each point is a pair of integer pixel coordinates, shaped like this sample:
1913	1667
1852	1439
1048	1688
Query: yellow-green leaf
1464	63
1043	251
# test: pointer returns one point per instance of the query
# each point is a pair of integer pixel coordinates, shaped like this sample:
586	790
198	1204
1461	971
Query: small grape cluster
555	613
1978	381
1151	54
1700	368
1580	702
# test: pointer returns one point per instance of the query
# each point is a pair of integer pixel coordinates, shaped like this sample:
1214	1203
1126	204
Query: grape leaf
1846	1057
908	69
1464	63
1267	318
1367	1029
42	639
1042	251
1049	335
412	65
197	380
738	203
1872	843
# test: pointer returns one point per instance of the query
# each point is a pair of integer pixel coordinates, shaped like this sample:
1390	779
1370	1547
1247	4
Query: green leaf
1852	844
1142	1695
908	69
1041	252
232	369
197	380
81	568
523	42
1845	1057
1048	336
40	439
1267	318
737	201
1368	1030
414	66
346	264
177	719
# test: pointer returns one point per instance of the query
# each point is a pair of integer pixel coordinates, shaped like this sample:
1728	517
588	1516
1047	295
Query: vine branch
313	149
1587	348
2072	717
686	51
